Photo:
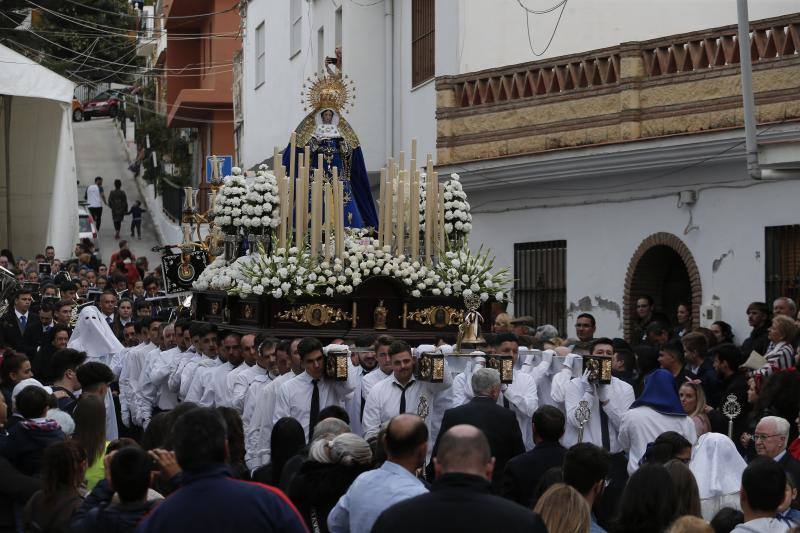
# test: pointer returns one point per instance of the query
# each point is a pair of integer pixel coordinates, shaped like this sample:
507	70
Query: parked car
77	110
104	104
86	226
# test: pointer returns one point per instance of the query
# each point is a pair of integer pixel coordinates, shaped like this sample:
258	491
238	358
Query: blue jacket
24	446
98	515
211	500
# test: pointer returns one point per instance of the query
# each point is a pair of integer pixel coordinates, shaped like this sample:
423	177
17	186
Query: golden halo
328	92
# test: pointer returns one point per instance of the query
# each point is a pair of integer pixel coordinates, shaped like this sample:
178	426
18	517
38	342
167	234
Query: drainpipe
388	32
745	65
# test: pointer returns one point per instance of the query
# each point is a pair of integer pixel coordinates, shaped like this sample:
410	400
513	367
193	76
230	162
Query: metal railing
171	199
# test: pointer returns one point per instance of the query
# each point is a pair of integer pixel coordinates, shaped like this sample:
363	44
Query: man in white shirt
304	396
260	404
262	366
95	198
384	369
131	369
151	383
214	380
402	393
362	364
207	351
191	340
246	346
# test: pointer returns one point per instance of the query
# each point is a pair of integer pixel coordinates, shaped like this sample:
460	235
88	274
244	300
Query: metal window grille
540	287
782	262
423	24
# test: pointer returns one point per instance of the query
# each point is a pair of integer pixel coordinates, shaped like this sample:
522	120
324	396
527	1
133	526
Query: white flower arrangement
215	276
261	209
227	209
457	216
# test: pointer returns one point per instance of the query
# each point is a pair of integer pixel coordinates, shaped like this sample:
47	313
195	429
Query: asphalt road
99	152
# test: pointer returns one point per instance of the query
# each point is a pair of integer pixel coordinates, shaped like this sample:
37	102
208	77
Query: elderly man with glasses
771	438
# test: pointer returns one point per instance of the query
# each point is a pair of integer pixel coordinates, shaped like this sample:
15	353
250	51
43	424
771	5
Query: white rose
467	292
415	293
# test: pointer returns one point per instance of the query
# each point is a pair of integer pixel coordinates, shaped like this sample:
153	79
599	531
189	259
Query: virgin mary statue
325	131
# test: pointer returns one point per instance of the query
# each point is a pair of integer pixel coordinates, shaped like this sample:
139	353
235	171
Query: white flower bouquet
261	209
457	217
227	210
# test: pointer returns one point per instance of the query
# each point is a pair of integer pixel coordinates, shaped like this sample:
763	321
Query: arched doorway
664	268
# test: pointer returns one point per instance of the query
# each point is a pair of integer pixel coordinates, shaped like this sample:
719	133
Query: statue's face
327	117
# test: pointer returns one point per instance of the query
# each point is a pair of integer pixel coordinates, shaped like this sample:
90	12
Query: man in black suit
497	423
523	472
771	438
20	327
460	499
107	303
727	359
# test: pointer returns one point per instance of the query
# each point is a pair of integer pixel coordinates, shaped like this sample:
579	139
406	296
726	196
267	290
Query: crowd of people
122	417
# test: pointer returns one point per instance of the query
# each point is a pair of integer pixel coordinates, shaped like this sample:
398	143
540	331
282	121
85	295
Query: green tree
84	40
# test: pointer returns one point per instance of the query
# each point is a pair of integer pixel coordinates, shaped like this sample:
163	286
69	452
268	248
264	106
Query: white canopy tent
38	179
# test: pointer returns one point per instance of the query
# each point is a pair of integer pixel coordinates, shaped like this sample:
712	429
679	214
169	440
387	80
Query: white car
86	226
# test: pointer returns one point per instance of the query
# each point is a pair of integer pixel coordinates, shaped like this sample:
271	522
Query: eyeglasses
761	436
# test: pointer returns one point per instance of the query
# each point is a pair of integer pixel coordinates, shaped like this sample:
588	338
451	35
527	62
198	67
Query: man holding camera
304	396
402	392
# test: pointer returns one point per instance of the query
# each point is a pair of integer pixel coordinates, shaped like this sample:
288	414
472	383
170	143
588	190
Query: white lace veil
716	465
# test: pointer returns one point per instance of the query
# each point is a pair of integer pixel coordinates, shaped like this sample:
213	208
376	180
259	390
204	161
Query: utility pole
745	64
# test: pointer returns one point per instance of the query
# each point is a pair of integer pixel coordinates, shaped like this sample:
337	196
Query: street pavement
99	152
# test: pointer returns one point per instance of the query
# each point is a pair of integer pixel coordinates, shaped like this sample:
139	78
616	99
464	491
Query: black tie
604	429
505	402
314	414
403	395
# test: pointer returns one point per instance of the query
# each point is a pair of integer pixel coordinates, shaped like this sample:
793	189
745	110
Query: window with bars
782	262
540	286
423	24
295	27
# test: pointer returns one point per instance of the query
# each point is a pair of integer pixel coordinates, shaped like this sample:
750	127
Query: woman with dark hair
648	502
236	449
722	331
287	439
14	368
669	446
646	362
90	435
50	509
685	488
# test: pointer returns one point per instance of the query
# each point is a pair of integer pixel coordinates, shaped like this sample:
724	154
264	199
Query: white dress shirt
235	372
261	377
620	399
642	425
260	404
294	398
240	385
353	406
145	390
200	381
159	376
188	372
216	394
383	402
558	387
129	380
372	379
359	509
176	369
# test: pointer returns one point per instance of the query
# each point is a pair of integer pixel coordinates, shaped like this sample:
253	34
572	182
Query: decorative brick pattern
768	40
673	242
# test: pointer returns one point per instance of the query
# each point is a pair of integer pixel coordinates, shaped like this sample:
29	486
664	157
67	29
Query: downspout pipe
745	65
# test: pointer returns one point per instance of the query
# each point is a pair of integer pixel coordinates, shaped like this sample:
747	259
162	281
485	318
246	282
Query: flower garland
228	203
260	210
457	216
291	273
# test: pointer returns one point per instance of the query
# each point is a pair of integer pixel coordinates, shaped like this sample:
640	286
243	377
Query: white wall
602	237
494	33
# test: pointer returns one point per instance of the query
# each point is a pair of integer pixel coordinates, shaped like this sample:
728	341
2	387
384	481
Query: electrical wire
548	10
552	36
151	16
97	26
